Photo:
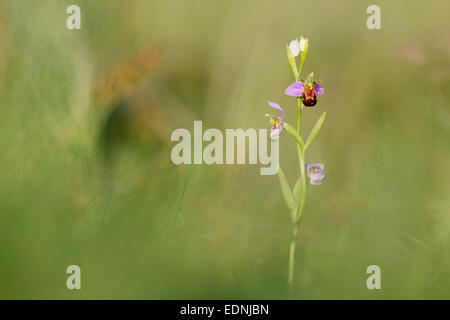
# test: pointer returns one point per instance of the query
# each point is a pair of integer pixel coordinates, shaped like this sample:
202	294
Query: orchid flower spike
308	90
315	173
276	122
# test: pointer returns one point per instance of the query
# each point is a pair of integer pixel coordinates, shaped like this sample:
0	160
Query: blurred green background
85	170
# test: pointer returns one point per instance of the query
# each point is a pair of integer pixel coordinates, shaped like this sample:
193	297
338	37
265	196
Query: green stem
301	66
297	219
299	123
301	159
299	113
303	195
301	154
292	254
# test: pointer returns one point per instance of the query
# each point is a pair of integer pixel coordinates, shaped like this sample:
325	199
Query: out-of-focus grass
385	143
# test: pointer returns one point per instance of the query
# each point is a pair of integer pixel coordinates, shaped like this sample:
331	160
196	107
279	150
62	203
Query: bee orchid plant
306	93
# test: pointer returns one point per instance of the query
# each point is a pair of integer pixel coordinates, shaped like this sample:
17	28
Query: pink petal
318	89
277	106
296	89
320	166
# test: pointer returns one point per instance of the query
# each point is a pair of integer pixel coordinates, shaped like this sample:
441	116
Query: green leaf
287	194
297	192
315	130
293	133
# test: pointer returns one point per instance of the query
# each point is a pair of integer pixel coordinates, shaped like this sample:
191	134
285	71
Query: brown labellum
309	98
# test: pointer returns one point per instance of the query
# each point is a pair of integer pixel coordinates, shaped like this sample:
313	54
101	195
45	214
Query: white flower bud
294	47
303	45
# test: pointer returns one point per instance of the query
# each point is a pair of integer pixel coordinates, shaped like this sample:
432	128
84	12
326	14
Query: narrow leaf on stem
297	192
315	130
294	134
287	194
